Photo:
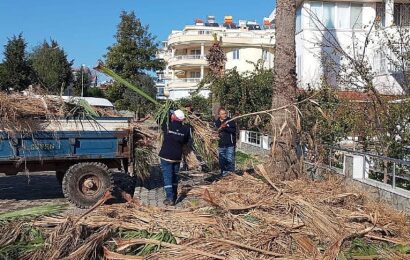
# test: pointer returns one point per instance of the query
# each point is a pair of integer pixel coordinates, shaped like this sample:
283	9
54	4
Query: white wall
247	54
310	50
175	94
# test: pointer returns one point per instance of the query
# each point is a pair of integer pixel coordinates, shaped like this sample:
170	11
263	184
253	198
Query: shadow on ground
31	187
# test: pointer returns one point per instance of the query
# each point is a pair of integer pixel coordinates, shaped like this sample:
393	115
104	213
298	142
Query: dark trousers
227	159
170	174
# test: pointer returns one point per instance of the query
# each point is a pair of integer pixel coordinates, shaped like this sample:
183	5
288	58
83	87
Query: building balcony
231	38
184	83
189	37
187	61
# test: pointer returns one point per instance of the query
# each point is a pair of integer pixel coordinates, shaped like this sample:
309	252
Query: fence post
330	158
394	176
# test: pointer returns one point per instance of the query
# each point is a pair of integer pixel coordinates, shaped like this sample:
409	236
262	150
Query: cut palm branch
100	67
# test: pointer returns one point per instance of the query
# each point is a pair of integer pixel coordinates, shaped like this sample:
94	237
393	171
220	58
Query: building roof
97	102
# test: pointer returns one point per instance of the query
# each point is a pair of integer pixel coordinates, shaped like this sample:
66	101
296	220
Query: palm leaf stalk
101	68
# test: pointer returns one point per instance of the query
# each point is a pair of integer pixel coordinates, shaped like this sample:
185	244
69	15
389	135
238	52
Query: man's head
222	113
189	108
178	115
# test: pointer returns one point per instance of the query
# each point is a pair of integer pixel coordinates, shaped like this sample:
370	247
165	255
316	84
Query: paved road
35	189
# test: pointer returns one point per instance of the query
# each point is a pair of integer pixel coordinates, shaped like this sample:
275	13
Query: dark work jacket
176	135
227	135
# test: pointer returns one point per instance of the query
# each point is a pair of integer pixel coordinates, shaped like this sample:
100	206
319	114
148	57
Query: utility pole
82	81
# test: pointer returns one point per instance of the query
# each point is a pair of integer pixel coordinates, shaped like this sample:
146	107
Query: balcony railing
186	80
233	34
188	57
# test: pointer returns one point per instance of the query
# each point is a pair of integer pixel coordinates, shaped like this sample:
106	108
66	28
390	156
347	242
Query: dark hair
221	109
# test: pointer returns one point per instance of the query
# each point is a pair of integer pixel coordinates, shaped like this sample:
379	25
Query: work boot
225	173
168	202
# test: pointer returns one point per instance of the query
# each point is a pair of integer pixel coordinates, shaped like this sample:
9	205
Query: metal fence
391	171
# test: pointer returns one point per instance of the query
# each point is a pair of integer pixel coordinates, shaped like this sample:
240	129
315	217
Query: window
235	53
381	14
402	14
332	15
379	62
264	55
356	16
315	14
343	12
253	138
329	15
202	32
195	52
160	91
298	19
195	74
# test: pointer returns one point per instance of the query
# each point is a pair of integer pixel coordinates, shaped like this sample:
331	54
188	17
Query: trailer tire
85	183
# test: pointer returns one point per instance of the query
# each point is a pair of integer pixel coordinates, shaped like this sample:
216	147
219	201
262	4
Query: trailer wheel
85	183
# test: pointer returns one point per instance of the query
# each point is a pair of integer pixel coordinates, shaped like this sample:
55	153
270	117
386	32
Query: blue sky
85	28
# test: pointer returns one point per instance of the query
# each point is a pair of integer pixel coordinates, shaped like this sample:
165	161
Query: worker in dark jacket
227	142
176	134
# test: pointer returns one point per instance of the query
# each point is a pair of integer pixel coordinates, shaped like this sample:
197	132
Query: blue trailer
82	154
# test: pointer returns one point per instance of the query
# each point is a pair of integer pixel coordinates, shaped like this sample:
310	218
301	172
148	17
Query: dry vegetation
239	217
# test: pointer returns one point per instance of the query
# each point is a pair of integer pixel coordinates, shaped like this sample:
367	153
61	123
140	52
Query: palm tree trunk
284	126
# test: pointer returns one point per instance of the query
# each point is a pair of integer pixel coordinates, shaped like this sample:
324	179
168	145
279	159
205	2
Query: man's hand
224	125
215	136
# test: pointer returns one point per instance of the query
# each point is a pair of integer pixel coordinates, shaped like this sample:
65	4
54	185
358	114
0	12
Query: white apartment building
185	53
322	25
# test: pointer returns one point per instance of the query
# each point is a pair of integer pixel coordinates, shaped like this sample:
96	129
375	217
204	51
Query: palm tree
284	125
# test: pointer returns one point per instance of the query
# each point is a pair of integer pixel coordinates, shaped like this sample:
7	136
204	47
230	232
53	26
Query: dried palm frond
92	247
27	114
63	240
237	217
19	239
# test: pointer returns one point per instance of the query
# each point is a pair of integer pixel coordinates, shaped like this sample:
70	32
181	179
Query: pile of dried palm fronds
238	217
144	150
21	113
204	146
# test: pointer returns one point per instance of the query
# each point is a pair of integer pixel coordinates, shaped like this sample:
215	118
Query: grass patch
243	159
252	219
360	248
33	212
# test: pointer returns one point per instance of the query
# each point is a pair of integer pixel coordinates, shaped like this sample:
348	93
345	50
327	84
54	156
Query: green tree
132	56
200	105
245	93
16	70
51	67
2	76
95	92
